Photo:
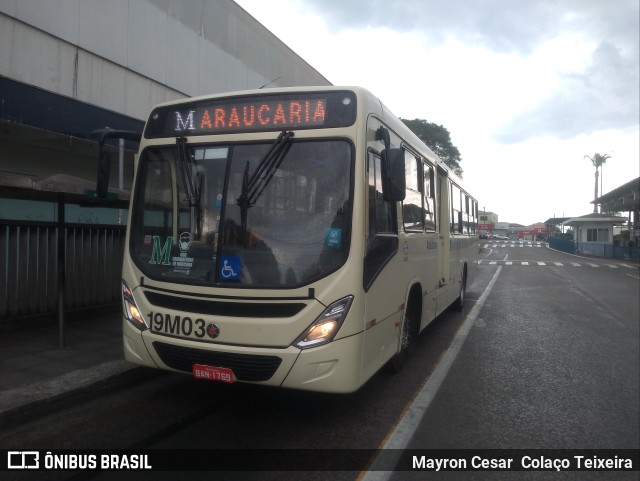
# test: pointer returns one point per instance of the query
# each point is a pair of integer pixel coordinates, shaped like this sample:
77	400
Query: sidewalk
35	372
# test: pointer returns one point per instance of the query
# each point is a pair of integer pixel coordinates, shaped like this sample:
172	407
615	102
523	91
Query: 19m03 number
176	325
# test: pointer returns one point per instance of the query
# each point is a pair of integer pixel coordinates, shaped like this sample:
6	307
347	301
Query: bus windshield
194	223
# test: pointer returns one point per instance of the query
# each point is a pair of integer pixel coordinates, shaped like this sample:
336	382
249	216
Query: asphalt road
551	361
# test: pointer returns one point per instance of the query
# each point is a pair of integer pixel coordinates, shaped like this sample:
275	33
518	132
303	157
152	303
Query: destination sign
254	113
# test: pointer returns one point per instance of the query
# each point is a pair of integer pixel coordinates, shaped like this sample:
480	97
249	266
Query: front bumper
333	367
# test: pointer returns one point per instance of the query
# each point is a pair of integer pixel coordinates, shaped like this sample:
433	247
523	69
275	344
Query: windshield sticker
161	255
185	242
333	237
230	268
182	263
215	242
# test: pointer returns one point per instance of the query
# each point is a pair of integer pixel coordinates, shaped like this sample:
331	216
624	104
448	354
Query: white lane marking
406	427
490	251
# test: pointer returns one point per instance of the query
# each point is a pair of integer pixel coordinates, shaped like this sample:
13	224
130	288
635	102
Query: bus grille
218	308
246	367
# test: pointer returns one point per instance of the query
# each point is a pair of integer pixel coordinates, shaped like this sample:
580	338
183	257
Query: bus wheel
406	342
459	304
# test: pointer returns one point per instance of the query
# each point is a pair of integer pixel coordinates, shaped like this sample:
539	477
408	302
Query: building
593	233
555	225
625	198
604	234
502	228
537	231
70	67
487	222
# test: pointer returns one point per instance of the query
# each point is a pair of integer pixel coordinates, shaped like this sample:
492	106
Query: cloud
580	56
606	95
526	88
497	24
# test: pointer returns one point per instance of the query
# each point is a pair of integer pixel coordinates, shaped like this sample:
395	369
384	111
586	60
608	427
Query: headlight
130	308
326	326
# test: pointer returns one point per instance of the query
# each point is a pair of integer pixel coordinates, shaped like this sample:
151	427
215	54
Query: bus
293	237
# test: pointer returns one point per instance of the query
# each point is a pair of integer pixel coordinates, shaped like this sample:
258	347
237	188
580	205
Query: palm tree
598	160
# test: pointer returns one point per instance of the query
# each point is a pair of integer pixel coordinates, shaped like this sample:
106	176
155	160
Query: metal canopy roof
622	199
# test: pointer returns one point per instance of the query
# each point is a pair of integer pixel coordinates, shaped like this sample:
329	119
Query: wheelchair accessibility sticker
333	237
230	267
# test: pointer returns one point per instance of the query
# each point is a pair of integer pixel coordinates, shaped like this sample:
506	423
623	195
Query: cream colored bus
289	237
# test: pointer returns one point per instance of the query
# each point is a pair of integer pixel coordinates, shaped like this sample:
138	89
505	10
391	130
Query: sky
526	88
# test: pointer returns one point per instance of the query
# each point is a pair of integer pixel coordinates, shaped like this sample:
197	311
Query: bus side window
474	220
466	216
381	218
429	199
456	209
383	239
412	208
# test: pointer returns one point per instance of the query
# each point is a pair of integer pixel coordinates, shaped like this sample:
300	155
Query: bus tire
410	329
459	303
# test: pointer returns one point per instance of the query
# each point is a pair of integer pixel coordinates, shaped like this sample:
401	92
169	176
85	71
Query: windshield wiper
192	188
254	185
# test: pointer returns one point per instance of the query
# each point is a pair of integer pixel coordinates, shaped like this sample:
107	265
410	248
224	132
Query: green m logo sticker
161	255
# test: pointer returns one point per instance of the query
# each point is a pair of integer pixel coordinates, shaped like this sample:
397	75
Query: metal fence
608	250
563	245
29	267
626	252
595	249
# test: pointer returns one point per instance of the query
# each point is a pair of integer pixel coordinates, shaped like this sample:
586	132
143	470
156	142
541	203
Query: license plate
213	373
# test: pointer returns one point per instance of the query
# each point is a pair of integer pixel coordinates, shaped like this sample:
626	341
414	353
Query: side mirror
393	175
104	159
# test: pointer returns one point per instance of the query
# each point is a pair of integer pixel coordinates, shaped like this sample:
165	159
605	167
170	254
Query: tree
598	160
437	139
